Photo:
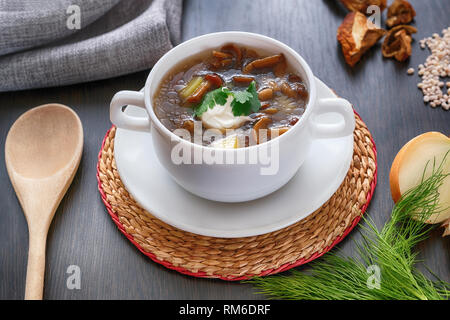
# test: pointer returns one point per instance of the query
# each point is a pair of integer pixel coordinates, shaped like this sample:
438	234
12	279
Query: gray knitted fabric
57	42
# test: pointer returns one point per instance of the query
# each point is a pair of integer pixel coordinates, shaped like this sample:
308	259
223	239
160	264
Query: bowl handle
323	130
122	120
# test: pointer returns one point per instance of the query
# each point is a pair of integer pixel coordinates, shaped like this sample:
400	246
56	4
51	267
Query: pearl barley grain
436	66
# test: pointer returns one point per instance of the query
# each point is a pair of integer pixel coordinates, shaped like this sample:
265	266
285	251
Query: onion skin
395	169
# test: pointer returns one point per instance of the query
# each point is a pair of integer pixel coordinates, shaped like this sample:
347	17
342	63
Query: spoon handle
34	286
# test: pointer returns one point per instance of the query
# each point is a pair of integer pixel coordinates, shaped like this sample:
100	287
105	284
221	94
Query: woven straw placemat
241	258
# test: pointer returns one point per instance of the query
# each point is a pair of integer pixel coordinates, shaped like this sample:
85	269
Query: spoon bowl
42	153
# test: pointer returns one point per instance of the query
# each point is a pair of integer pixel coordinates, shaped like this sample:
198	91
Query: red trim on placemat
282	268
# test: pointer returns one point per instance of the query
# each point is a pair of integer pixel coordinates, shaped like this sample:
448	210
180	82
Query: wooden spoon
42	153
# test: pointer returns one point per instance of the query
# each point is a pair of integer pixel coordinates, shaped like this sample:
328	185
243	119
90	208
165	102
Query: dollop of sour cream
222	117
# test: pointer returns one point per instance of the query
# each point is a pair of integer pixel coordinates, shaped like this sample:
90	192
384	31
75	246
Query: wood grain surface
83	234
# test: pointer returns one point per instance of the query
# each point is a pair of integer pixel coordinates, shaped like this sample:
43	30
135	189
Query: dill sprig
390	250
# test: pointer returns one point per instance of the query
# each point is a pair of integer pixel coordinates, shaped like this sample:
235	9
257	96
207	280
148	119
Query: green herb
389	249
218	96
244	102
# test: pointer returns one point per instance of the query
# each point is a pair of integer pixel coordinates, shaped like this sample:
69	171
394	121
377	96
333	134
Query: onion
408	168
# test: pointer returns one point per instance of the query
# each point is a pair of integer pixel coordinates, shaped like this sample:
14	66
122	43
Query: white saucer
152	187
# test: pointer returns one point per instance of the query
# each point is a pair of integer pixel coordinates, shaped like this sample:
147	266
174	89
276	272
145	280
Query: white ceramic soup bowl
228	180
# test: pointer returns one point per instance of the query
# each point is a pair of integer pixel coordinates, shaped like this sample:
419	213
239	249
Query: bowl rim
228	36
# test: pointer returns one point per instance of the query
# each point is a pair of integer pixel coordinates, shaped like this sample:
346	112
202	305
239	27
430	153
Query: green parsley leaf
246	102
218	96
242	96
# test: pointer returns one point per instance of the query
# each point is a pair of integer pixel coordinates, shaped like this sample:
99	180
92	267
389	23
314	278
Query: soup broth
212	88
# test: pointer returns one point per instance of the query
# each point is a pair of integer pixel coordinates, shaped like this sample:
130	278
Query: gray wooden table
83	234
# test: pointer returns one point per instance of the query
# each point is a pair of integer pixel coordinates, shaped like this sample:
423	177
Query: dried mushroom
400	12
357	34
362	5
397	43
